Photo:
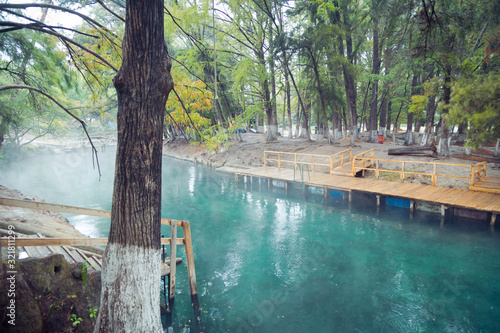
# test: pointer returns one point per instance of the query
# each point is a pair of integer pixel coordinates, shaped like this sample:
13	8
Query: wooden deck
483	201
487	184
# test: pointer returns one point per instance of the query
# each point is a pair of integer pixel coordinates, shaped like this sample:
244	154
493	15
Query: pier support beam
493	219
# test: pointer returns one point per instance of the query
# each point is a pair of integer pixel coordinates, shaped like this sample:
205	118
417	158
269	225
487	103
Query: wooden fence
366	161
173	241
312	160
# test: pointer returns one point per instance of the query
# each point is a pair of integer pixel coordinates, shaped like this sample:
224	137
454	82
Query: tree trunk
373	126
130	295
409	119
349	84
445	129
385	114
326	133
272	99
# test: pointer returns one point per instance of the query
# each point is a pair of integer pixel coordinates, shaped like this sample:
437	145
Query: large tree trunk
372	123
273	125
409	119
444	147
271	129
130	295
326	129
385	114
349	84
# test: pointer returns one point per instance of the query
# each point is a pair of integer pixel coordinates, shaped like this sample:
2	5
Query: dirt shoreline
249	154
30	221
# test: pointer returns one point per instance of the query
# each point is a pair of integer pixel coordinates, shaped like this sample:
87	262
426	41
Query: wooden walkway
73	254
487	184
488	202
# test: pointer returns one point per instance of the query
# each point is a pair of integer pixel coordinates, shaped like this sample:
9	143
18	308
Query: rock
49	291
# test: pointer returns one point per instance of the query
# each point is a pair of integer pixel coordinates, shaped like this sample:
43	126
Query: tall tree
131	268
372	123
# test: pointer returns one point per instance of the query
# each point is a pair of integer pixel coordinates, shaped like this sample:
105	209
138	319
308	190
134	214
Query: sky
54	17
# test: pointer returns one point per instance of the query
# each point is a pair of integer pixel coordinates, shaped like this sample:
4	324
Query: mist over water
269	263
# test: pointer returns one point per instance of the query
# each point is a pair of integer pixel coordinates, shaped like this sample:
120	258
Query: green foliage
93	313
75	321
418	104
187	108
83	271
476	101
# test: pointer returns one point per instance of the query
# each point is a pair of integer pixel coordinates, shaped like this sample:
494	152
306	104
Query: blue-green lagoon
270	263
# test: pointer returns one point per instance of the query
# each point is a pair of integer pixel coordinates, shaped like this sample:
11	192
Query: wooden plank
165	269
37	205
98	260
188	246
73	254
22	241
60	250
32	252
173	254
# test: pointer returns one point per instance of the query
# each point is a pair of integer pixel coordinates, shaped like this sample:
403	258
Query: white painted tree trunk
495	153
383	130
423	142
409	138
271	131
131	279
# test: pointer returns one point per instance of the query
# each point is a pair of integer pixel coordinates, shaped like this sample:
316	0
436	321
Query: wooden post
173	256
279	161
378	203
331	163
265	160
412	206
434	175
443	210
472	175
188	245
493	219
377	172
312	163
403	172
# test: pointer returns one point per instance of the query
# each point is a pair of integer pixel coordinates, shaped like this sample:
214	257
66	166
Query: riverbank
29	221
249	153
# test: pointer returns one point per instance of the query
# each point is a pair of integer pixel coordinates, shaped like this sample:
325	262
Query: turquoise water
268	263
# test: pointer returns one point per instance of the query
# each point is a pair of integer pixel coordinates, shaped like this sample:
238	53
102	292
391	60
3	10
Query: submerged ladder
301	172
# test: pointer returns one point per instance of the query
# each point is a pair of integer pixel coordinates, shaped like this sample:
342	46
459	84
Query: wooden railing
312	160
475	170
173	241
342	156
478	170
363	161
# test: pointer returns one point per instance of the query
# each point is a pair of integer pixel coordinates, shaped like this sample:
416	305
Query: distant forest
280	67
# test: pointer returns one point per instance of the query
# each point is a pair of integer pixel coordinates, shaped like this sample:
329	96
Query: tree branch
84	126
36	27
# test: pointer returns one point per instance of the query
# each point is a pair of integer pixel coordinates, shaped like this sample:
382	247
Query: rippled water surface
269	263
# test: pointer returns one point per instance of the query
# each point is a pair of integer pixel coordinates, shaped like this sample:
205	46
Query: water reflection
270	263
